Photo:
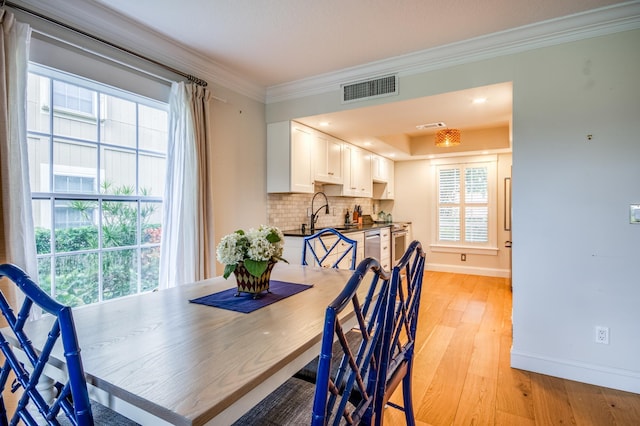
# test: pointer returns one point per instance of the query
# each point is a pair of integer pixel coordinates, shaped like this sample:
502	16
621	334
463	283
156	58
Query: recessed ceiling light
393	154
479	100
367	143
324	123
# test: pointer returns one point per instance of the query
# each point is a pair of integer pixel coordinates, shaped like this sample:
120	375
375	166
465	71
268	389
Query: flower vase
248	283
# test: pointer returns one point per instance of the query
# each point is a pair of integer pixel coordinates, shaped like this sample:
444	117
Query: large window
465	215
97	183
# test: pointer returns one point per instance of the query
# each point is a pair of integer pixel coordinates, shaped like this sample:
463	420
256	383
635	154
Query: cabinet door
327	159
349	177
383	182
356	173
359	238
385	248
379	168
362	166
301	168
289	158
345	263
334	160
390	193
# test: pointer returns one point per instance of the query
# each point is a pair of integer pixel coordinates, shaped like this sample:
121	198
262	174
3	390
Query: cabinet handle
330	173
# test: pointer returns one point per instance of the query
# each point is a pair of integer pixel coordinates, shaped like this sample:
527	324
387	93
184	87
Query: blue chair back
348	392
72	397
316	251
400	332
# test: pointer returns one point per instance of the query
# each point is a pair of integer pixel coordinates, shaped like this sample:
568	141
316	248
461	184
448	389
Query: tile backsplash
290	211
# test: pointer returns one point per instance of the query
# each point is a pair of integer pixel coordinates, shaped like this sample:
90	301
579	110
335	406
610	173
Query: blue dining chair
72	398
316	250
400	333
346	394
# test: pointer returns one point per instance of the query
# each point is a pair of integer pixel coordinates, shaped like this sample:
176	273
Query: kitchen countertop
341	228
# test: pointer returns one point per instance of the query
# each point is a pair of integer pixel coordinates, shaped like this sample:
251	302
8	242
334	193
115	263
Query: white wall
576	262
415	196
575	258
238	164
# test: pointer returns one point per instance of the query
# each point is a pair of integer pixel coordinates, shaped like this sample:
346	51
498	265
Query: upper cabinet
356	174
289	153
383	177
299	156
380	168
327	159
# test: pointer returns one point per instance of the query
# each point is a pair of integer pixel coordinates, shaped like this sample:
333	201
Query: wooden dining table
160	359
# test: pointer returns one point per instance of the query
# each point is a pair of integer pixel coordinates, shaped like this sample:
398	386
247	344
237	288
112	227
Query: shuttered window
463	203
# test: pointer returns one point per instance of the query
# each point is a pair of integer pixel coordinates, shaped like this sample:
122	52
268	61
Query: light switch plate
634	213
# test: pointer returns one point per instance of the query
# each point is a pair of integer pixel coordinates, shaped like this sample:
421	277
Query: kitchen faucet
314	214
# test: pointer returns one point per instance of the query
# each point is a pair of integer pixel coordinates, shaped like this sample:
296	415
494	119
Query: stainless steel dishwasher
372	244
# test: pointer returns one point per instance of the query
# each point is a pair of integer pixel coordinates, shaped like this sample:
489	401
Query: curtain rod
189	77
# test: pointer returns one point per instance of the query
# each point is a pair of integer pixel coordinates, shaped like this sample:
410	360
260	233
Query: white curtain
18	244
182	258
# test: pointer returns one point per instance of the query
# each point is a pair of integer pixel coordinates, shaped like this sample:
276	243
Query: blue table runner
245	303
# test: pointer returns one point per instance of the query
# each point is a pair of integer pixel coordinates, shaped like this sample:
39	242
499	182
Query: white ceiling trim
99	21
608	20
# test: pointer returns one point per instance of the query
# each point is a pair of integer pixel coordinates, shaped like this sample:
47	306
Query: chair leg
3	413
407	395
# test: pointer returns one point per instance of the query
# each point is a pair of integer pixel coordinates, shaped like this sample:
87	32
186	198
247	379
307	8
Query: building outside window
97	159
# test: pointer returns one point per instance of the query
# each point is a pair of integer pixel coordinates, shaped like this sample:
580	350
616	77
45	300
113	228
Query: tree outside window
97	186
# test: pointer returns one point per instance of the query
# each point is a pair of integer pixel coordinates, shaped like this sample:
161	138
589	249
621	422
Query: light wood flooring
462	374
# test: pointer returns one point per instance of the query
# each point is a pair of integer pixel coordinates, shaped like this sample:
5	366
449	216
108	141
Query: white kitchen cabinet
380	168
289	158
385	248
356	174
327	159
359	238
383	178
342	247
293	250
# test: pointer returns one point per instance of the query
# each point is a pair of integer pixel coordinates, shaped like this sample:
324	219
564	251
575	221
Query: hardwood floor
462	374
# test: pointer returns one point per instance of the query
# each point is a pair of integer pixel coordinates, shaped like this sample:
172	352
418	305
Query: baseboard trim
613	378
471	270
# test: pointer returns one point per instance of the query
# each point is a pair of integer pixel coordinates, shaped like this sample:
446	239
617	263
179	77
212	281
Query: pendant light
447	137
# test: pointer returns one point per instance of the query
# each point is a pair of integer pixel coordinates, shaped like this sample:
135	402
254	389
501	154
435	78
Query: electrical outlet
602	335
463	257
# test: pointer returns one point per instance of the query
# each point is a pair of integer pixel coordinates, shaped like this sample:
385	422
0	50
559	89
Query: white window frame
48	172
485	248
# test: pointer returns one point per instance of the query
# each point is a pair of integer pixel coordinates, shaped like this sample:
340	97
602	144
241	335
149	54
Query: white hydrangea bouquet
255	248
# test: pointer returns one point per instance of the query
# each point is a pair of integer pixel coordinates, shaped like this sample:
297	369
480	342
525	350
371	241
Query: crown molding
102	22
597	22
94	18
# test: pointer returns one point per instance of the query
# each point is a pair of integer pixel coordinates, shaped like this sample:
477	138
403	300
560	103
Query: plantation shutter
476	218
449	200
463	203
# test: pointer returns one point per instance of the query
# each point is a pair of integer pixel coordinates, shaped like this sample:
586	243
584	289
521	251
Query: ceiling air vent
377	87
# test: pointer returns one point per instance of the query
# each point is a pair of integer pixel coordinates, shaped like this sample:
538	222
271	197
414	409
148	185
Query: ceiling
276	42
